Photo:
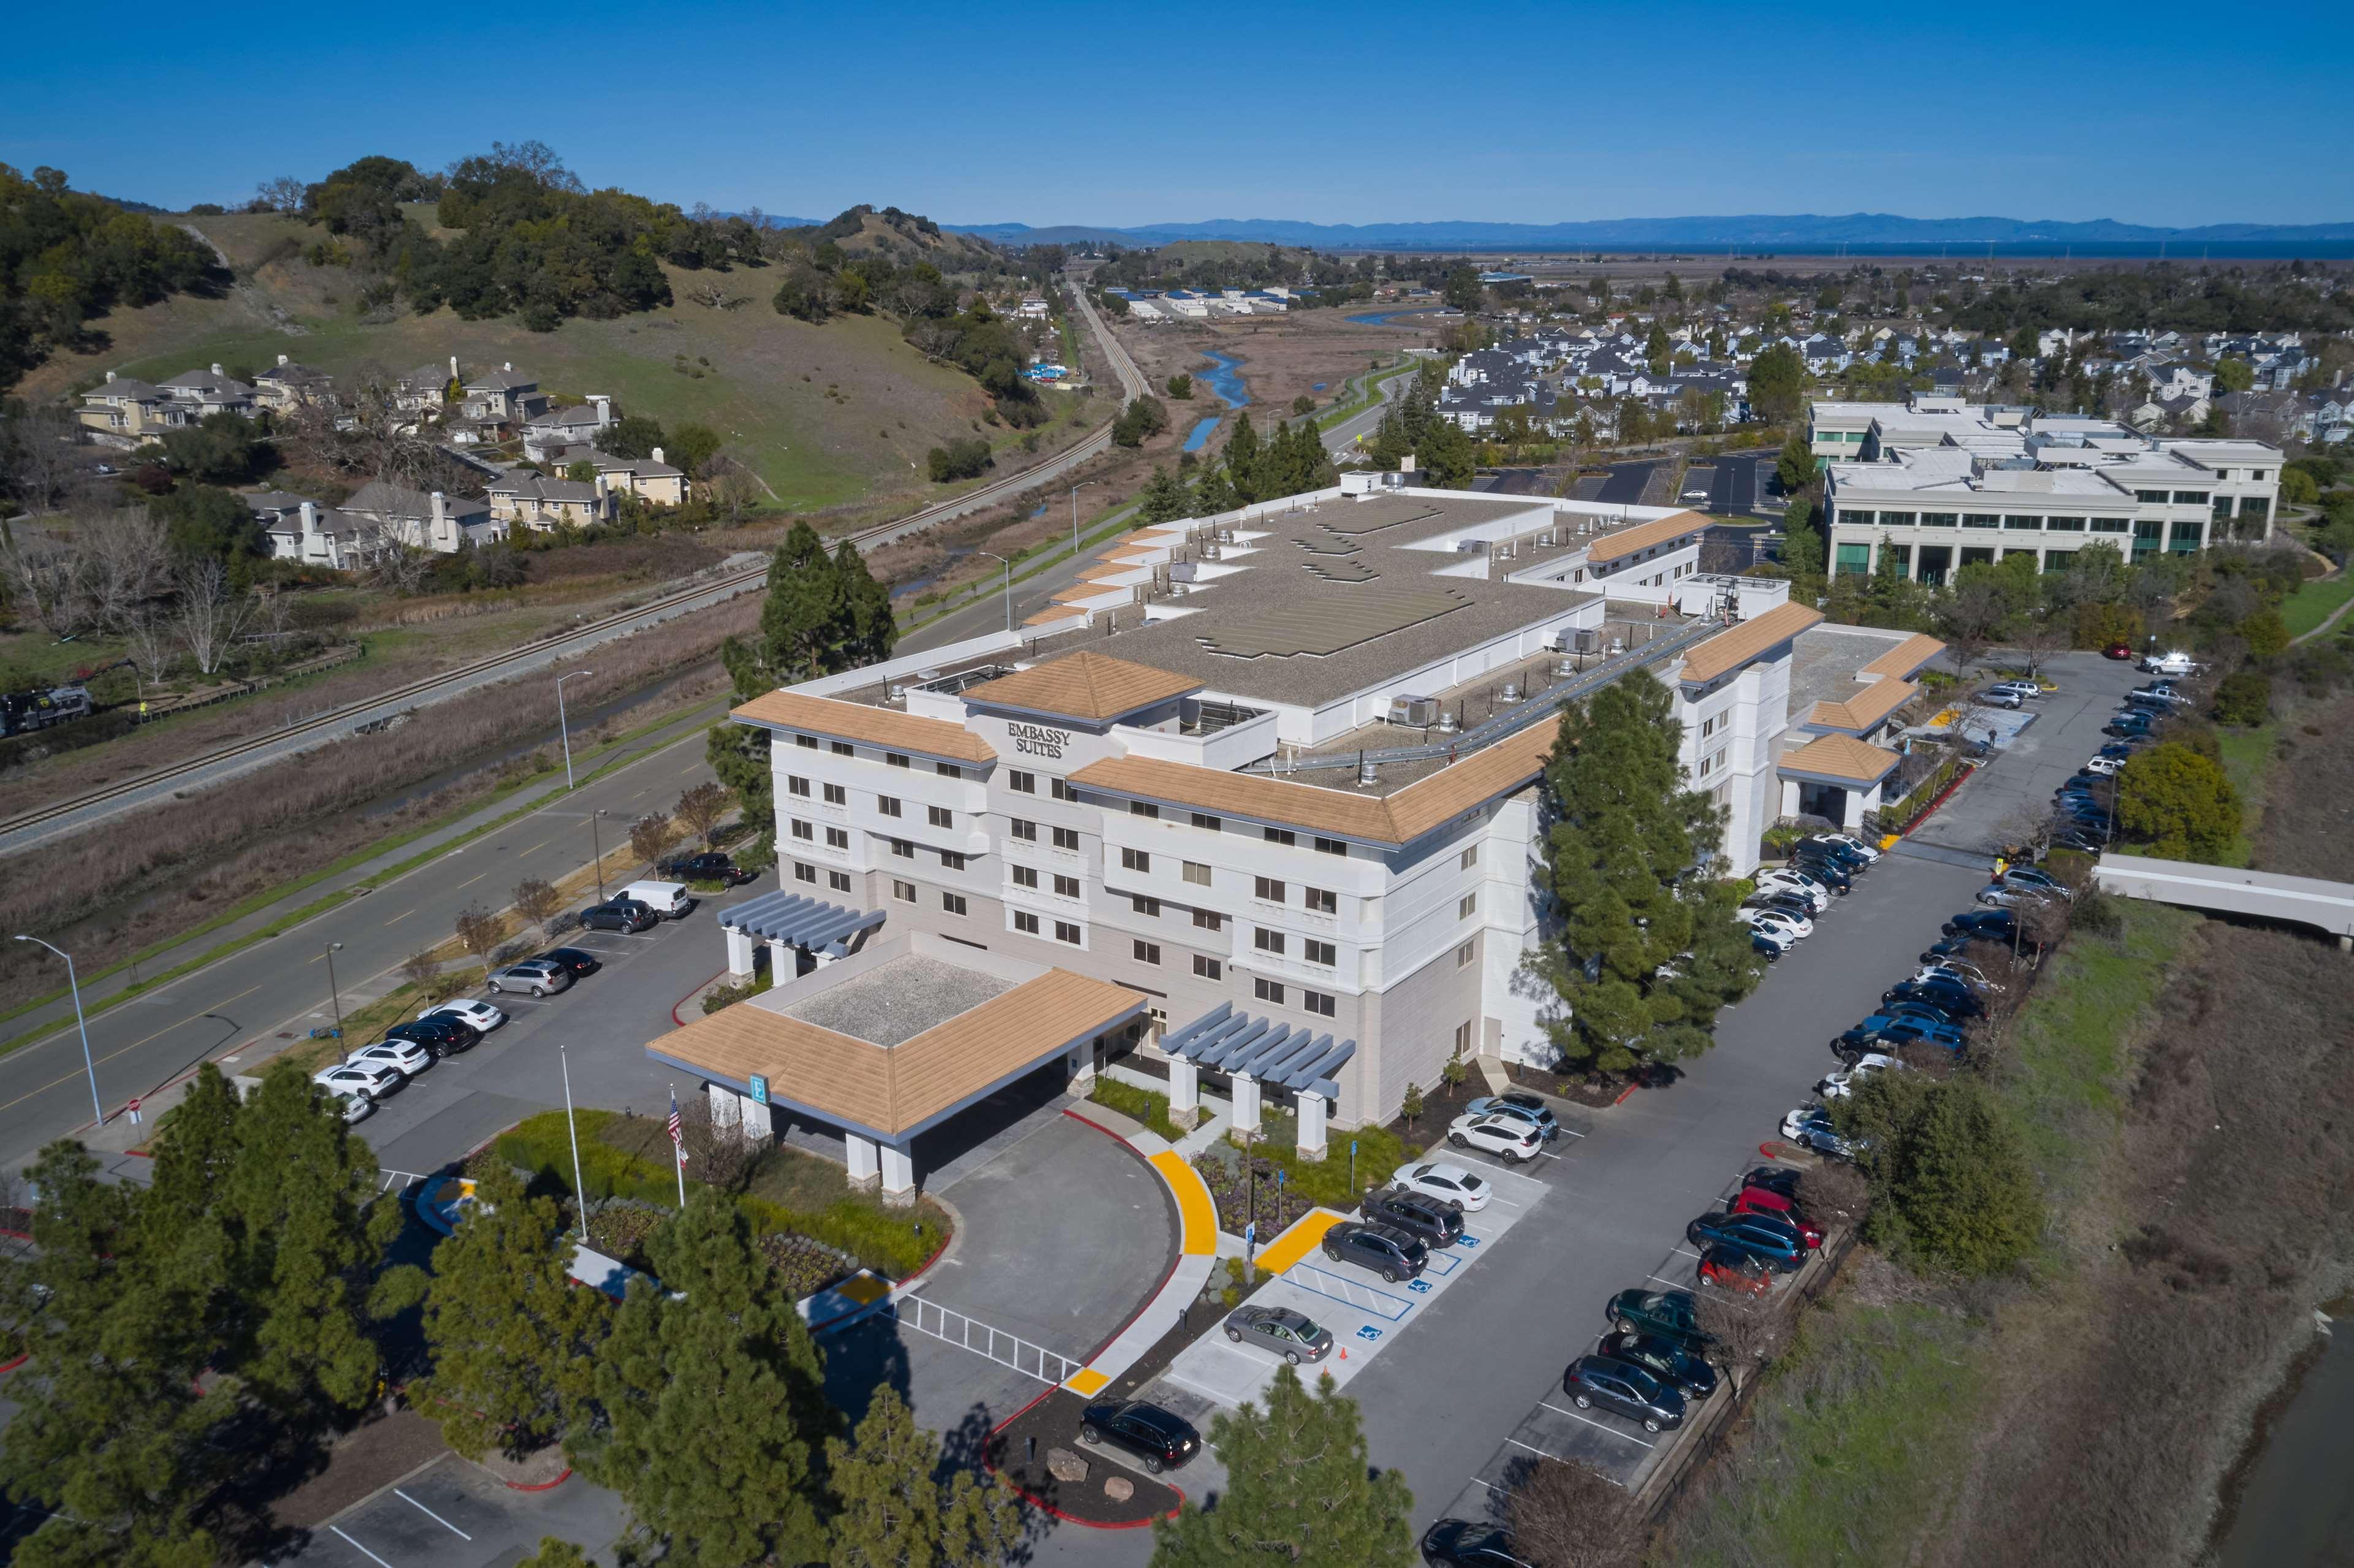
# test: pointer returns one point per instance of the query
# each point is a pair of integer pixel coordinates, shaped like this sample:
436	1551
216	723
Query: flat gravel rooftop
895	1001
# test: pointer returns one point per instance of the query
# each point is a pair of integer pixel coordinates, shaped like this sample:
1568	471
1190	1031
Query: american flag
677	1129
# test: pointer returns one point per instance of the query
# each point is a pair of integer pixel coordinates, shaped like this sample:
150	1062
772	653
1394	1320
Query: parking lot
451	1514
2065	731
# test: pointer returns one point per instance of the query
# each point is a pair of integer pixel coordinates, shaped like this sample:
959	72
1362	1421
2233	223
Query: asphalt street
1623	485
1739	488
1344	436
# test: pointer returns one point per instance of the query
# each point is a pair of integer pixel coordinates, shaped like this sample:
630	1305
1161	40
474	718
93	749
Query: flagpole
579	1191
678	1146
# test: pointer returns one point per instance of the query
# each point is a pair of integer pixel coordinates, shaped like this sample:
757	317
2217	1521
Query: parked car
619	914
540	976
1732	1269
1777	1241
1840	851
1825	1140
1450	1184
2118	650
1882	1032
1952	1000
1769	947
1763	1201
2104	766
1384	1250
2080	838
710	865
1982	925
1460	1543
351	1105
1870	851
1805	888
2129	729
1625	1389
2004	896
1436	1223
479	1016
1163	1440
372	1079
1798	926
1663	1358
1796	1121
2177	665
1825	870
1520	1107
2043	881
1995	697
439	1036
579	960
1842	1083
404	1057
1507	1138
1669	1314
1787	902
1780	1180
2028	690
1962	970
1290	1334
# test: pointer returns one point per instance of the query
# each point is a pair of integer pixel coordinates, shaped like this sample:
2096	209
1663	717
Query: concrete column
861	1162
824	957
1184	1092
898	1175
725	1111
756	1118
740	954
1311	1125
781	965
1082	1061
1245	1103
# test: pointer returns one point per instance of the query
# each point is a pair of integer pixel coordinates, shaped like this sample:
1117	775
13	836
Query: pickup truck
2175	663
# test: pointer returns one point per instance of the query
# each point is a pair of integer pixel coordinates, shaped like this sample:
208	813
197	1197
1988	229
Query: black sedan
1776	1241
579	960
1954	1000
1460	1543
1163	1441
1663	1358
1434	1222
440	1035
1627	1390
709	866
1983	924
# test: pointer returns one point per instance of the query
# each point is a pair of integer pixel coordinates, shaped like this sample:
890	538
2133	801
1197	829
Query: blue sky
1051	114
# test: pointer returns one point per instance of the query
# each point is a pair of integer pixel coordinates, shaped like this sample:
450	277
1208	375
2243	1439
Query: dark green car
1663	1358
1670	1314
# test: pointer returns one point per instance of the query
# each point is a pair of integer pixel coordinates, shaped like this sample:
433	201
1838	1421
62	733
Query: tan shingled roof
885	727
1063	612
1866	708
1900	661
1398	819
1841	756
892	1088
1643	536
1730	650
1082	685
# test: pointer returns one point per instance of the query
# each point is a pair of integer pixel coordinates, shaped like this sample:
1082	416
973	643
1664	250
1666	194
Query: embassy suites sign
1037	740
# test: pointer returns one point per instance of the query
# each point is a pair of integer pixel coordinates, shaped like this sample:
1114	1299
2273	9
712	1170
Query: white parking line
1679	1284
1514	1441
1682	1252
431	1514
1574	1415
358	1547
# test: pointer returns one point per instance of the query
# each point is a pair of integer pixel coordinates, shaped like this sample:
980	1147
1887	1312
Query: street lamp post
1009	582
81	1022
563	726
598	839
333	949
579	1188
1075	511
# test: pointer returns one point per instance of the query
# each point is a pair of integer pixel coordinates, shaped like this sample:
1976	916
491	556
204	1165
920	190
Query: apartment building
1937	483
1281	763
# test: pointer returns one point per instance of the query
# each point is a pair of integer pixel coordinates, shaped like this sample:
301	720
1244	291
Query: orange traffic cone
1344	1353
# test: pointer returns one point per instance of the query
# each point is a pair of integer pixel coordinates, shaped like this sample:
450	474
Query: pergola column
782	965
1245	1103
898	1175
1311	1125
1184	1092
756	1118
863	1172
740	954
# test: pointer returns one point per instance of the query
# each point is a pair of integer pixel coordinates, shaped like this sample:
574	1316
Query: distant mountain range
1808	232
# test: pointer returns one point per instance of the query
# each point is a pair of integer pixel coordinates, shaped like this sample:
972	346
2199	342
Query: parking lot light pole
563	726
333	949
1009	582
579	1188
1075	511
81	1022
598	840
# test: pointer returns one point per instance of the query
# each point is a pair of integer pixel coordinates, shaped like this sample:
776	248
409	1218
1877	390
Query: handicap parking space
454	1515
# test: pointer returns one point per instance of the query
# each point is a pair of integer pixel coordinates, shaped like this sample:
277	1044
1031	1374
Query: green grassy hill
827	414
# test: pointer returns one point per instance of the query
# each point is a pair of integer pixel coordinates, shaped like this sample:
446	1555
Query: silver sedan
1289	1334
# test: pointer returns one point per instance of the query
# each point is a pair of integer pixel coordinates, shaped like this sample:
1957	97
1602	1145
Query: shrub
1948	1171
963	458
2179	802
1141	1105
2244	697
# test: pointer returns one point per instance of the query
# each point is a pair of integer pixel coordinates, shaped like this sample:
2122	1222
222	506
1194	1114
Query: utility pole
563	726
81	1022
1009	581
598	840
1075	511
332	991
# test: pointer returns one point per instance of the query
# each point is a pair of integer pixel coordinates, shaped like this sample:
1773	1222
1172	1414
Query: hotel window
1135	860
2109	525
1148	952
1142	808
1209	920
887	804
1066	888
1267	991
1321	900
838	879
1066	932
1025	877
804	872
1267	941
1317	952
1940	519
895	759
1981	520
1207	823
2191	498
2020	522
1208	969
835	795
1197	873
1026	924
948	771
843	748
1022	783
2066	525
1466	953
837	838
1463	1036
808	742
904	891
1319	1003
941	817
1707	728
1279	835
1331	846
1066	838
902	848
1267	889
1026	831
1466	906
953	902
803	829
1061	789
1896	519
2150	497
796	785
951	861
1139	903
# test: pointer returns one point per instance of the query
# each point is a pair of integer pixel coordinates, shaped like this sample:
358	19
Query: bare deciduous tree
537	901
1567	1515
40	457
151	635
1748	1331
211	613
422	970
126	564
1834	1192
699	810
480	932
283	194
651	835
44	580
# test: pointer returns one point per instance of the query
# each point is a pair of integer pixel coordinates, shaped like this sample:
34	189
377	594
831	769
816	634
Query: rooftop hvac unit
928	675
1365	773
1564	667
1617	646
898	692
1447	723
1417	711
1226	535
1545	537
1511	691
1584	639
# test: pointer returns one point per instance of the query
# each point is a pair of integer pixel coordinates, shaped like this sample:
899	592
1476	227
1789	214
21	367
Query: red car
1730	1269
2116	651
1761	1200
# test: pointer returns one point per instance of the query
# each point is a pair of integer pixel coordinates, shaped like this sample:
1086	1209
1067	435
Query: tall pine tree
1627	862
1299	1490
894	1507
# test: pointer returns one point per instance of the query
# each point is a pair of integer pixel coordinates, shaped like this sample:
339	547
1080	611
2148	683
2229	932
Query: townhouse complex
1934	484
1274	774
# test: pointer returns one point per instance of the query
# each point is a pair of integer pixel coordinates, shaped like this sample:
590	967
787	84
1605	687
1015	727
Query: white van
671	900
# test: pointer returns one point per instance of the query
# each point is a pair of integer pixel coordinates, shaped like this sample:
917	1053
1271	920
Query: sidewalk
339	888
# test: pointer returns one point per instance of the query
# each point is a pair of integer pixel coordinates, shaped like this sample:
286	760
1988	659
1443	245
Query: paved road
1739	487
1623	487
1344	435
2066	732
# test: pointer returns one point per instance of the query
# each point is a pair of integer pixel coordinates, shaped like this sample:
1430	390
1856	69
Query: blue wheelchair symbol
1466	1240
1419	1284
1368	1332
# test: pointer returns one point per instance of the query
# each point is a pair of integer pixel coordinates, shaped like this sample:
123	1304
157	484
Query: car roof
1454	1174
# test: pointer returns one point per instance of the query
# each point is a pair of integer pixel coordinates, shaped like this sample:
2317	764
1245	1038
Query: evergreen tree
1162	498
714	1402
1242	459
556	1554
873	629
513	1339
1447	455
184	1235
894	1509
806	621
1300	1490
1776	384
1627	862
1796	467
1214	493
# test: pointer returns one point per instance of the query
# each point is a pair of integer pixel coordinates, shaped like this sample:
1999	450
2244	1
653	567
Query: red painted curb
681	1001
1623	1095
1943	795
541	1487
11	1366
1041	1504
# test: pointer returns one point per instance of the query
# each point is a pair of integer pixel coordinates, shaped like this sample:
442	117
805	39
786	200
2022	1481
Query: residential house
649	480
557	436
125	413
286	386
302	530
211	391
425	522
542	504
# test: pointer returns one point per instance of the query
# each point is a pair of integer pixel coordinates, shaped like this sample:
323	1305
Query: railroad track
346	719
